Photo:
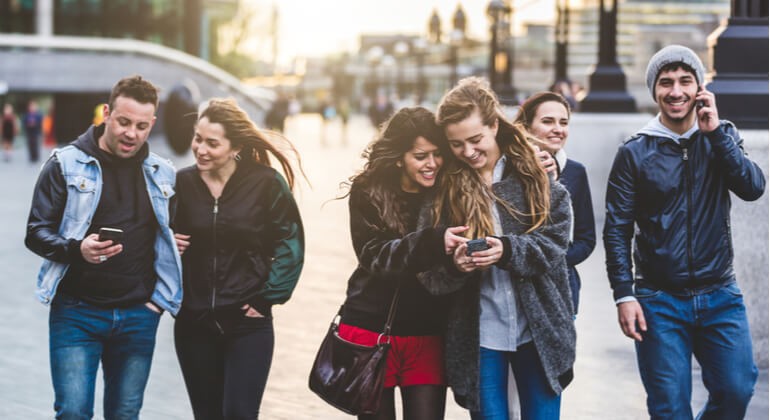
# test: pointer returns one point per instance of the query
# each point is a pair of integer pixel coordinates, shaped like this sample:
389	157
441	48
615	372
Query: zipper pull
216	205
684	155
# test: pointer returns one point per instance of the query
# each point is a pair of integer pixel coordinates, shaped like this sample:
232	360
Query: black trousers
225	374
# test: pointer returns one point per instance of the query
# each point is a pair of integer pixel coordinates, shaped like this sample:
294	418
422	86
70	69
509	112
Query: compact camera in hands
479	244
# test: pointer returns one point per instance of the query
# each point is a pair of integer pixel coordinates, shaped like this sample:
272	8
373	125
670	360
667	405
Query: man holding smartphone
100	218
671	184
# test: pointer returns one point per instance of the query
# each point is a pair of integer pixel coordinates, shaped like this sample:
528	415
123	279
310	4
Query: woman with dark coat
242	244
392	247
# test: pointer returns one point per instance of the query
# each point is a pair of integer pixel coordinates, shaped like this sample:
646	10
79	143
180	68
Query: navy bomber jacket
676	192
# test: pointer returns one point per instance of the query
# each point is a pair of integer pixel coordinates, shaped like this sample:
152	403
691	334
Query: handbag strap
388	321
391	312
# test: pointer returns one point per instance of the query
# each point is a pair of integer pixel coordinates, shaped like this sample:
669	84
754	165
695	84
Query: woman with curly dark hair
393	245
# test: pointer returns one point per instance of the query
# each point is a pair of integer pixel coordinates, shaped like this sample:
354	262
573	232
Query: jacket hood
655	128
89	143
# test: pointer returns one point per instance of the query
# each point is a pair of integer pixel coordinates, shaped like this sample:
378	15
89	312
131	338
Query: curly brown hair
380	177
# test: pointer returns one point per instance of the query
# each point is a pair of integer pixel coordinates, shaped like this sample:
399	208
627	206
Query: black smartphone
699	103
474	245
116	235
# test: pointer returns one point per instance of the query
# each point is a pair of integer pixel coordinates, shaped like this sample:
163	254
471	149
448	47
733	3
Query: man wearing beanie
669	194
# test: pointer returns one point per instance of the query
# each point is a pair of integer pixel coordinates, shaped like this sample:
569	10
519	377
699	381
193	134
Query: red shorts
412	360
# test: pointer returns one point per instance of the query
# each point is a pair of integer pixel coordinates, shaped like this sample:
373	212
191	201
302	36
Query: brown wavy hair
463	197
256	145
380	178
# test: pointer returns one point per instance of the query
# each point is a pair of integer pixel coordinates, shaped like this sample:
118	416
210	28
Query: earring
399	164
237	157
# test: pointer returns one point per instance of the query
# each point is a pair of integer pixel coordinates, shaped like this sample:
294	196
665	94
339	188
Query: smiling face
212	150
420	165
474	143
126	127
551	125
675	92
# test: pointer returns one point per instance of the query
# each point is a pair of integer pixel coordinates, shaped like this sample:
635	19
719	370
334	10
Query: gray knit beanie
673	54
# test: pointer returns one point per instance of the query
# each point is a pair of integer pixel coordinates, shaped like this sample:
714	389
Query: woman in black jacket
385	202
241	239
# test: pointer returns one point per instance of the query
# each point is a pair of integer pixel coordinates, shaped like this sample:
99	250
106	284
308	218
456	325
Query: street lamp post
562	40
420	47
608	83
400	50
740	79
455	41
500	51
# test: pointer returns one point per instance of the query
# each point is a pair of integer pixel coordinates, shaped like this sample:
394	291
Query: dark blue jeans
538	401
712	326
80	336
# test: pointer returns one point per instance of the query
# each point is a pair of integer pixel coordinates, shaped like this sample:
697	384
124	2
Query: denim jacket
83	176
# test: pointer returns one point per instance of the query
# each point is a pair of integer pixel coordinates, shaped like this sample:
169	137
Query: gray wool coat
538	268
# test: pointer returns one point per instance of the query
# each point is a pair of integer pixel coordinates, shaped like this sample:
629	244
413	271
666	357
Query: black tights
421	402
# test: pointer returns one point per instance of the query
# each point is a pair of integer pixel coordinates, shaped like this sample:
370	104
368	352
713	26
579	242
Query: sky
320	27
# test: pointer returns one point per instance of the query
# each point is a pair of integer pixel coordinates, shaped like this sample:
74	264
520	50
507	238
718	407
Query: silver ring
102	258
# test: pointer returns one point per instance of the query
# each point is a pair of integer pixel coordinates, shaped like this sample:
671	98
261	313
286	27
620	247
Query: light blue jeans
538	401
80	336
709	324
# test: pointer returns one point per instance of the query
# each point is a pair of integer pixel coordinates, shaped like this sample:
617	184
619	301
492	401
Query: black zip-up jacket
247	246
678	195
386	259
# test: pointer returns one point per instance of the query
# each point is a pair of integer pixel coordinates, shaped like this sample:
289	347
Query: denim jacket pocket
82	194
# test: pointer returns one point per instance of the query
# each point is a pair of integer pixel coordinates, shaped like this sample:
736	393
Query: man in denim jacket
106	296
672	181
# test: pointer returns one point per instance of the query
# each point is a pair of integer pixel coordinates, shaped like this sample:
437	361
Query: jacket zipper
214	277
688	193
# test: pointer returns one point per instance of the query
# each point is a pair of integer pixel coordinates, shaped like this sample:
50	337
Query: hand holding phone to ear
706	111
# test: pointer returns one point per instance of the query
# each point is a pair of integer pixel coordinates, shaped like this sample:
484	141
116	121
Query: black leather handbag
351	376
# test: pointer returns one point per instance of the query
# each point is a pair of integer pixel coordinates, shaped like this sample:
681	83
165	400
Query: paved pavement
606	384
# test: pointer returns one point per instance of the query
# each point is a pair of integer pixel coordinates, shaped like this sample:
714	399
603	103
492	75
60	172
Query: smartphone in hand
114	234
699	103
479	244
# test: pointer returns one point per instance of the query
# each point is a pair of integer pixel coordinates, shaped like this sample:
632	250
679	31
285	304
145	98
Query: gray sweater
538	269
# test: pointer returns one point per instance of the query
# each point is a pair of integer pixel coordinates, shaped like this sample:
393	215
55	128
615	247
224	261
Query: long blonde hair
257	145
463	194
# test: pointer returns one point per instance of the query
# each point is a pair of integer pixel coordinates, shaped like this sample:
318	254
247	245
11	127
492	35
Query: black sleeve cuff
623	289
73	252
506	251
262	305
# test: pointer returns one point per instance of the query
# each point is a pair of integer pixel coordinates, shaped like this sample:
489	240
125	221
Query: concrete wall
594	139
750	241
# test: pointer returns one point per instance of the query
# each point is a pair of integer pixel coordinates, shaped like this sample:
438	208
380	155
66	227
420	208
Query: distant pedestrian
668	194
380	110
276	117
392	245
242	244
106	295
513	311
546	115
33	127
9	131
